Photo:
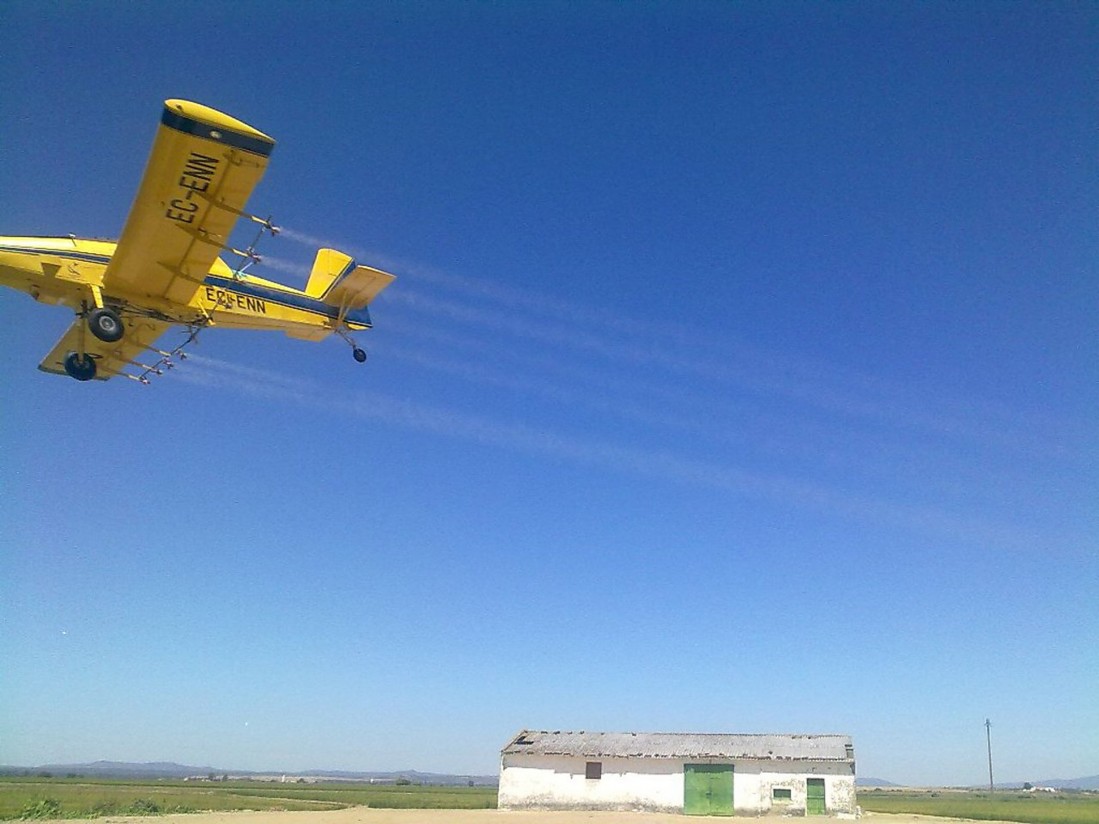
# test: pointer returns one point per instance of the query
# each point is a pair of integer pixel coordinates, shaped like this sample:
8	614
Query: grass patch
389	796
1031	808
43	798
62	798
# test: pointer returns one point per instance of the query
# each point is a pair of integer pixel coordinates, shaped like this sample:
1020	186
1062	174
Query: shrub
43	808
143	806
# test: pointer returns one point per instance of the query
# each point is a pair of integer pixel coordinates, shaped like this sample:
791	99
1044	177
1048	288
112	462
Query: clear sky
742	375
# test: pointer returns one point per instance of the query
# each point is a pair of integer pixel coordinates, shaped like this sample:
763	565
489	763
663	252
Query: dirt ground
365	815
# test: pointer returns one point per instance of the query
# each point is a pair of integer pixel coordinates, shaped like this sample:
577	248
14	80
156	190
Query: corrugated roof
776	747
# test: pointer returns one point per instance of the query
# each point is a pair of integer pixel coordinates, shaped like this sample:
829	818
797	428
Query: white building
703	774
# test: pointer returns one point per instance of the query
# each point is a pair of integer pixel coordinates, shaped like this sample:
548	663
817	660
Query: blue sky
741	375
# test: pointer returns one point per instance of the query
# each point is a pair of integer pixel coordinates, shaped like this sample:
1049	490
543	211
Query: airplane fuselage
70	271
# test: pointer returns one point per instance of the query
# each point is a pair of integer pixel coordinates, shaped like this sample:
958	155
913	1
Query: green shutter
814	796
696	786
708	789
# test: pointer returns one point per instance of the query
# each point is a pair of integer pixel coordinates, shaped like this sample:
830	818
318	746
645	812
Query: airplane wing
110	358
358	287
203	166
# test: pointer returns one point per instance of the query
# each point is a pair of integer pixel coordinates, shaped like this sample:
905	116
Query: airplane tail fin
339	281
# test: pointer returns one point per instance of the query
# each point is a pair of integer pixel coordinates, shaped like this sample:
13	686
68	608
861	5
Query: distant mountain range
873	782
169	769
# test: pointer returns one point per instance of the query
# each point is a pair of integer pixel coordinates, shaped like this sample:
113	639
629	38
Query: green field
28	798
1031	808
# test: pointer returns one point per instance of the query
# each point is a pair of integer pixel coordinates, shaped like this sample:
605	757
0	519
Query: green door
708	789
814	796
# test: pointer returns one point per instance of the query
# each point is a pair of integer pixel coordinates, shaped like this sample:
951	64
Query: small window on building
593	769
781	794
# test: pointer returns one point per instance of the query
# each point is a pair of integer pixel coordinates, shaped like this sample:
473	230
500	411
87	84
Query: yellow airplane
165	269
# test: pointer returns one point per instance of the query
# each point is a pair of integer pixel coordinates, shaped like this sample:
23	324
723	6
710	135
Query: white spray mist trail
816	389
822	409
704	354
314	242
298	271
663	464
816	386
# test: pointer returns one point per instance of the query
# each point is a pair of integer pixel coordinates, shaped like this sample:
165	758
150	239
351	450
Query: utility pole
988	735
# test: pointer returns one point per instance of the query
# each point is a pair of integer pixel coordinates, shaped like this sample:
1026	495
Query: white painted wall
558	782
754	782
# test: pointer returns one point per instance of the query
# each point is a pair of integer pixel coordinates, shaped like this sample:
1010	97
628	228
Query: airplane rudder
327	267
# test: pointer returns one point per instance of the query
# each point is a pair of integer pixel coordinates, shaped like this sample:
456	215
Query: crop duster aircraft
166	270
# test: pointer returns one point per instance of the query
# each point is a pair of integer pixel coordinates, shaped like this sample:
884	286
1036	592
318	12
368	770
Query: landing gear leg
357	353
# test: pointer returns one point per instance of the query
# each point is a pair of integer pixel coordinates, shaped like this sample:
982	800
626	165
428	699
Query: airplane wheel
360	354
106	325
81	368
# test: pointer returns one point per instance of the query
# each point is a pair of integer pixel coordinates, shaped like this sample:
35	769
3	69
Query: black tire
106	325
82	368
359	354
